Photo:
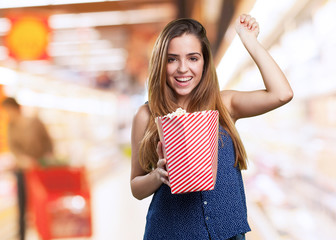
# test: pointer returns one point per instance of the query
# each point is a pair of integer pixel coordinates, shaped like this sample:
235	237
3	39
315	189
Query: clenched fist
247	26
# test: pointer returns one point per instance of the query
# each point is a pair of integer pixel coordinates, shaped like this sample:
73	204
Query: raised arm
277	90
144	184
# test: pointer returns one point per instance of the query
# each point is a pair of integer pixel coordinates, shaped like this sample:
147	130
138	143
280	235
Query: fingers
242	18
165	181
248	21
161	163
255	26
161	169
163	176
163	173
159	150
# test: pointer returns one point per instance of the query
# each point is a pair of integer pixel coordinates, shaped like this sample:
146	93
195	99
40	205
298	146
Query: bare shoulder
226	96
141	117
139	125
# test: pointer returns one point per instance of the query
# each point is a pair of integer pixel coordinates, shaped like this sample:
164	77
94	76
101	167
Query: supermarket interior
80	67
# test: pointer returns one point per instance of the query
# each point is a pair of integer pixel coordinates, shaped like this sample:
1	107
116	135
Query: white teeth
184	79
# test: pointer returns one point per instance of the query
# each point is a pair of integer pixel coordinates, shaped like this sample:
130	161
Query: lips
183	79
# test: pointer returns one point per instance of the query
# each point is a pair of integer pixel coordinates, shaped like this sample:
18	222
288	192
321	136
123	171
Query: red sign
28	38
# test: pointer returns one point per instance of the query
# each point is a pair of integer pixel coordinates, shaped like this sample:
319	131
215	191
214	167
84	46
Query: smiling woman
185	66
182	74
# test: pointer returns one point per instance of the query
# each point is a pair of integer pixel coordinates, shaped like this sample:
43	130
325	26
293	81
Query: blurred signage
28	38
3	125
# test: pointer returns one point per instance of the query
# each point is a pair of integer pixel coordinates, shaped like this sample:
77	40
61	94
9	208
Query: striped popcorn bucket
190	144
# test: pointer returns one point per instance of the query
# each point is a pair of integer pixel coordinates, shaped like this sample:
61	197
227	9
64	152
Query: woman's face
185	65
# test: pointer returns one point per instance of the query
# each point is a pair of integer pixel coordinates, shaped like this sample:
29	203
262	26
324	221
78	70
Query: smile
183	79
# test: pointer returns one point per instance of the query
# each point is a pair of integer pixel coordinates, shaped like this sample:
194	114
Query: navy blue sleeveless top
216	214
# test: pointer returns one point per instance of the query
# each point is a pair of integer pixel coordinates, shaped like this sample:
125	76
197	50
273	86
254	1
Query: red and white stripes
190	148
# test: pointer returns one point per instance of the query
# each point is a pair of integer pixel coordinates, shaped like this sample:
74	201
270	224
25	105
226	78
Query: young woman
182	74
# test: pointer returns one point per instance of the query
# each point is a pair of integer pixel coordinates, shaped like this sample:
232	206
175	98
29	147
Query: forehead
186	43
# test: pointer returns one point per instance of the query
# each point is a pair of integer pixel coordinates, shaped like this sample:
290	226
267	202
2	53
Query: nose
183	67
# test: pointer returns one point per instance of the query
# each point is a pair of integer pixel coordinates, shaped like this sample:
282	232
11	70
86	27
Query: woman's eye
194	59
171	60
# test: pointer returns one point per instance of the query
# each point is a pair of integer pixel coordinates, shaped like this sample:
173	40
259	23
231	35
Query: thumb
159	150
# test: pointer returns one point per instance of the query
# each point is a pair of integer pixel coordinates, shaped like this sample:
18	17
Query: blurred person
30	143
104	80
182	74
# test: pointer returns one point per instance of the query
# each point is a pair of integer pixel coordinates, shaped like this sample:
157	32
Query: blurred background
81	67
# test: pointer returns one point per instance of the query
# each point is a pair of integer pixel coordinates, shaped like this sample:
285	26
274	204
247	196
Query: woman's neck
183	102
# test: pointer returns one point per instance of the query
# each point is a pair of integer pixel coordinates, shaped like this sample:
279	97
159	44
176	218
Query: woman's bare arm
277	90
144	184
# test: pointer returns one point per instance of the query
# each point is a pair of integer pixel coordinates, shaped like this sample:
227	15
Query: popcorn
179	112
189	143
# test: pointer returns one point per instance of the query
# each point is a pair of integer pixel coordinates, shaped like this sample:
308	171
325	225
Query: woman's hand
247	26
161	170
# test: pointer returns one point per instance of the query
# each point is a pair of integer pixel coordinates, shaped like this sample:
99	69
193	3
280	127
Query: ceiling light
8	76
110	18
5	25
38	3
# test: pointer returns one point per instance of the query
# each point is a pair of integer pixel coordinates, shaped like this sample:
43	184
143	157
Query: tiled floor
116	213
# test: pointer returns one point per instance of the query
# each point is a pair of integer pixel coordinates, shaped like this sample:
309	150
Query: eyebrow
189	54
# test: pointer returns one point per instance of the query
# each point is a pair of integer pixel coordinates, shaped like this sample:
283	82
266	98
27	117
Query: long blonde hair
162	99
